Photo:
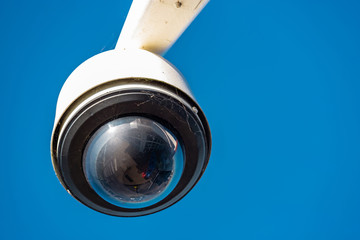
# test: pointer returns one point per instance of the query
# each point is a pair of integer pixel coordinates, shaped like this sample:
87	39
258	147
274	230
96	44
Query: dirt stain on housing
178	4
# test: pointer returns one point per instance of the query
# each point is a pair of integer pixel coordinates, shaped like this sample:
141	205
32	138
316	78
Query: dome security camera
129	139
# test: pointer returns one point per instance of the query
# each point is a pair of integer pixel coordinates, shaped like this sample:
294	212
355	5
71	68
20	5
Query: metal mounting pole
155	25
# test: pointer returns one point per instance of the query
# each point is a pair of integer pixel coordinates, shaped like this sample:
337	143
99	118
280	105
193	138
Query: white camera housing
132	82
118	64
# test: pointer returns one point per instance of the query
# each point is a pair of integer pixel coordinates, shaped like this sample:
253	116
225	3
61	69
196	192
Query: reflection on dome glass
133	162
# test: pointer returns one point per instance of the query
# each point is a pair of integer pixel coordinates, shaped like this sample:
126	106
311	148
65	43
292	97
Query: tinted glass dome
133	162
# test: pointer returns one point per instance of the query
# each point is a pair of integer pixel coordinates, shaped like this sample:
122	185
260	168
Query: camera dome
133	162
131	147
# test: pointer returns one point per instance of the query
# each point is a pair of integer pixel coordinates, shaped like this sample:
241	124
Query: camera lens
133	162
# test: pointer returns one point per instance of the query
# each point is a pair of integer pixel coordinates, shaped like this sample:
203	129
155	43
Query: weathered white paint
155	25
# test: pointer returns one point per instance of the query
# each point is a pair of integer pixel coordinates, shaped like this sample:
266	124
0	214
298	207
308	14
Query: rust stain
178	4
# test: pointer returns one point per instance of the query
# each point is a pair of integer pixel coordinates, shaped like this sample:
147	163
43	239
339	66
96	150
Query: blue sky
279	82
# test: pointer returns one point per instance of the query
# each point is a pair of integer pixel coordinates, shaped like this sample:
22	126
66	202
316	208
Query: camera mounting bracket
155	25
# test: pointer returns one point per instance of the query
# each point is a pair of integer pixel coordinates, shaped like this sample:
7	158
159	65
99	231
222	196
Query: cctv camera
129	139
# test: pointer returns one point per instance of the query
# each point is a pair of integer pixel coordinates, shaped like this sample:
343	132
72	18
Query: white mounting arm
155	25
